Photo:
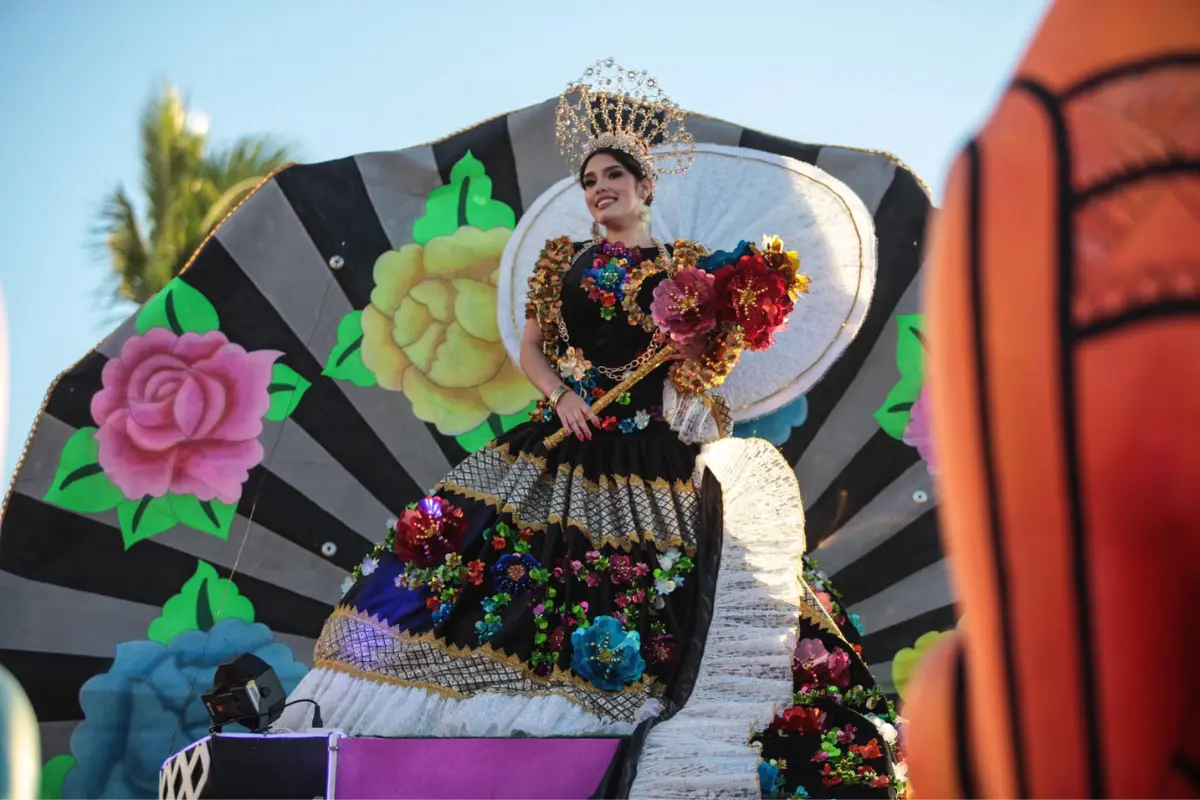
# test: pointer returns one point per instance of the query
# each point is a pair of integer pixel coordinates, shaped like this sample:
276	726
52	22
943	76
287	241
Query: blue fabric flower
856	621
721	258
800	792
442	612
486	630
510	574
770	780
627	425
607	655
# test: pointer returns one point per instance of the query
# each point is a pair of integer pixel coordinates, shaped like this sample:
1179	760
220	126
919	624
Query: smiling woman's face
613	193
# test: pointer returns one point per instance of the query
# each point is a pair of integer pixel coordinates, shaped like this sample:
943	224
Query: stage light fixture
245	691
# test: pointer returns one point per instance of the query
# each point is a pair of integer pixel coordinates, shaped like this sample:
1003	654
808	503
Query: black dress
584	571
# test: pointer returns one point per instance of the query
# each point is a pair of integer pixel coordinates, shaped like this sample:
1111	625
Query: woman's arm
571	410
533	360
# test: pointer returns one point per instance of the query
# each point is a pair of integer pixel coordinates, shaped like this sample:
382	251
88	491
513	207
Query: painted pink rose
918	433
182	415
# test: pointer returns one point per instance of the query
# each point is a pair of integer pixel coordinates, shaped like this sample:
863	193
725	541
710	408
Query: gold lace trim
606	482
473	670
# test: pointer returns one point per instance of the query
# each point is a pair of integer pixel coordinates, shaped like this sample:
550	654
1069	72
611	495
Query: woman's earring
644	213
595	230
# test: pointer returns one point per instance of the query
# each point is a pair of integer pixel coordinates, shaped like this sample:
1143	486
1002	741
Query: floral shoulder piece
544	300
640	273
720	304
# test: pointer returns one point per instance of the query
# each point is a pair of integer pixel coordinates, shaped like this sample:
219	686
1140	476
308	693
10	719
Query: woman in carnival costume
587	572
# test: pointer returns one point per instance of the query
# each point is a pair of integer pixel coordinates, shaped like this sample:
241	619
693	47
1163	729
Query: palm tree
188	189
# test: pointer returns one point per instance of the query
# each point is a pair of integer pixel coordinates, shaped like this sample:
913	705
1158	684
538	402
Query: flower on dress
427	533
486	630
683	307
369	565
641	419
770	780
668	559
607	655
475	572
627	425
510	574
572	364
620	570
661	650
664	585
442	612
802	720
813	665
347	584
886	729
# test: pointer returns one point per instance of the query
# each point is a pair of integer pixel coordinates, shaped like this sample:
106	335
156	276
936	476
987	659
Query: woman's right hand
575	414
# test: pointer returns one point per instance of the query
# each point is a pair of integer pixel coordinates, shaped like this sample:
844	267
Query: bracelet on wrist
557	395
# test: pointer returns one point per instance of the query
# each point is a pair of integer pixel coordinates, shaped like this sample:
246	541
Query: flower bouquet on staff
712	307
718	305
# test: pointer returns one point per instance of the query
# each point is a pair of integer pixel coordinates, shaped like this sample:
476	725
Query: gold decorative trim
560	682
678	486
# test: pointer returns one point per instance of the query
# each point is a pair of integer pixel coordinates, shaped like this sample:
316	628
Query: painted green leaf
54	772
208	516
179	308
141	519
911	349
287	389
510	421
894	414
492	427
202	602
465	200
80	484
345	359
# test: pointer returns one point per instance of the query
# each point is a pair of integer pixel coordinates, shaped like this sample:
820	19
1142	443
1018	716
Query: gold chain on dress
623	371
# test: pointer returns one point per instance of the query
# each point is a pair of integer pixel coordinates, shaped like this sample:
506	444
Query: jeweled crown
623	109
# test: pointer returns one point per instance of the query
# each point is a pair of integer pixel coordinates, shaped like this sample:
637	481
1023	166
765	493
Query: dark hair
624	159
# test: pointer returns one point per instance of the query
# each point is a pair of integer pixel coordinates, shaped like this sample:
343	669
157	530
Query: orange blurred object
1065	288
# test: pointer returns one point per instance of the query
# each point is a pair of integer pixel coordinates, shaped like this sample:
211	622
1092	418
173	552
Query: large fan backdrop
220	524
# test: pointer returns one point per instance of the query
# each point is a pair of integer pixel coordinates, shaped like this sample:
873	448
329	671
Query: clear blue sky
912	77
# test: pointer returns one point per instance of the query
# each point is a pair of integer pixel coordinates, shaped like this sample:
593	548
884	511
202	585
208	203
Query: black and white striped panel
349	457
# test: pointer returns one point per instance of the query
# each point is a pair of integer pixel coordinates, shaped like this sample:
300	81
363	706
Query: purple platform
288	766
456	768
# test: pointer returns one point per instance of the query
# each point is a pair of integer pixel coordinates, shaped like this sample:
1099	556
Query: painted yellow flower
904	663
431	331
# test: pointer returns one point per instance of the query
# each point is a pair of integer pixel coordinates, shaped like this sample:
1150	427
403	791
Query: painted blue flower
627	425
510	574
777	426
442	612
607	655
722	258
147	706
486	630
770	779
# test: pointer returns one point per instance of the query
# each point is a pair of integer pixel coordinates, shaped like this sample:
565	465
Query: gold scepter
655	361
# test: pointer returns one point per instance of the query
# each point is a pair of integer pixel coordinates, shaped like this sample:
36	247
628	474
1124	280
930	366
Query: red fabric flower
433	603
620	569
475	572
425	534
498	543
609	423
556	638
526	534
661	650
752	295
802	720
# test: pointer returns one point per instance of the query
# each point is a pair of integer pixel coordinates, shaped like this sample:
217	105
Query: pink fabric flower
683	306
182	415
918	433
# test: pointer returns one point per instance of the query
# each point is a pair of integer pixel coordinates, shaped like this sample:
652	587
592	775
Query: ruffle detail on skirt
745	675
361	706
616	508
